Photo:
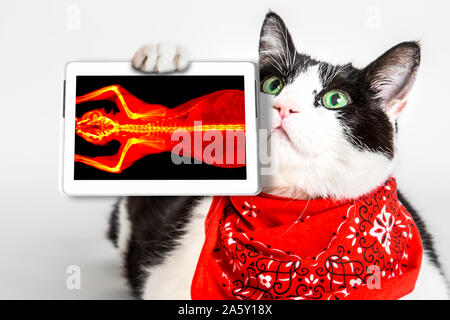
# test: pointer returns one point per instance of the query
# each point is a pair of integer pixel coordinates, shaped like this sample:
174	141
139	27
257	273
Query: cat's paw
161	57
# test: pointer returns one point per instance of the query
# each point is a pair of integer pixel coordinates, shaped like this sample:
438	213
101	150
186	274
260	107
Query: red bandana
265	247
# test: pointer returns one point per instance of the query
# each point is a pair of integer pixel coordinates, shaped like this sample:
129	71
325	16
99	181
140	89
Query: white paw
161	57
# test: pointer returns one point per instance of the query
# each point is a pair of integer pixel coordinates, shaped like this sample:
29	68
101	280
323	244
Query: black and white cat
317	152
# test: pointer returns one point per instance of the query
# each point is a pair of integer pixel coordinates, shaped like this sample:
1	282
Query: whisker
298	219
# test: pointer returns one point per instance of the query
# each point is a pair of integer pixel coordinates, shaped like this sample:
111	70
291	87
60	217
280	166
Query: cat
318	151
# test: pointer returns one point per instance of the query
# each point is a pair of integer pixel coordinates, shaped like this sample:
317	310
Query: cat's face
332	128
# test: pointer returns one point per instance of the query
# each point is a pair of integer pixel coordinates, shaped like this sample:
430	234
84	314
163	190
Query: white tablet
183	133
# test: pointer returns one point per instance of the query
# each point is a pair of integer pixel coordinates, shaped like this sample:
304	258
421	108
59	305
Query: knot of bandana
264	247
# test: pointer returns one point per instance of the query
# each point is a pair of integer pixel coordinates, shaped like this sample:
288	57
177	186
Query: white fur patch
172	279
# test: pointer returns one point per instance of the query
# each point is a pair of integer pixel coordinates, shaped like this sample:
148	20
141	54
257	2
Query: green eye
273	85
334	99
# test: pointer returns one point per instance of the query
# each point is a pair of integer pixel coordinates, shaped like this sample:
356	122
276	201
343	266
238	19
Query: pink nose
285	110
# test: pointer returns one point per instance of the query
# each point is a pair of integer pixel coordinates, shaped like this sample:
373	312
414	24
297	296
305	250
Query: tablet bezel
70	186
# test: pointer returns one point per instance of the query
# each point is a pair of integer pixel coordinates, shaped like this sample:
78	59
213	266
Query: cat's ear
275	40
392	75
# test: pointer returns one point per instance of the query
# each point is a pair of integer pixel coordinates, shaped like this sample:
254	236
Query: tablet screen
165	127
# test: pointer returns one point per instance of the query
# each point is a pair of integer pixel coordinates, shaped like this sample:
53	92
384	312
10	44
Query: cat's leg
159	240
161	57
173	277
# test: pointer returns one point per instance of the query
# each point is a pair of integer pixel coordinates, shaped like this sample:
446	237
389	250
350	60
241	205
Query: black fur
157	223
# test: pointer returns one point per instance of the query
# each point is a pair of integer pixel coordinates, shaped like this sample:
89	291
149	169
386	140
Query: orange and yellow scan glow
143	128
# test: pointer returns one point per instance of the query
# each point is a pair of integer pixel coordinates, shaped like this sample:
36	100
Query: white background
43	232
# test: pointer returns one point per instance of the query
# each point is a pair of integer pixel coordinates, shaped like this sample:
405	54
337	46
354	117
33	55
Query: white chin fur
347	174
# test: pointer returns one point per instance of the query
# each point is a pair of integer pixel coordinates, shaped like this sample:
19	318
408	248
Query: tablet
191	132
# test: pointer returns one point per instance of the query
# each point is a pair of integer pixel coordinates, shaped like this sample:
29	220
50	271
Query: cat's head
332	127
